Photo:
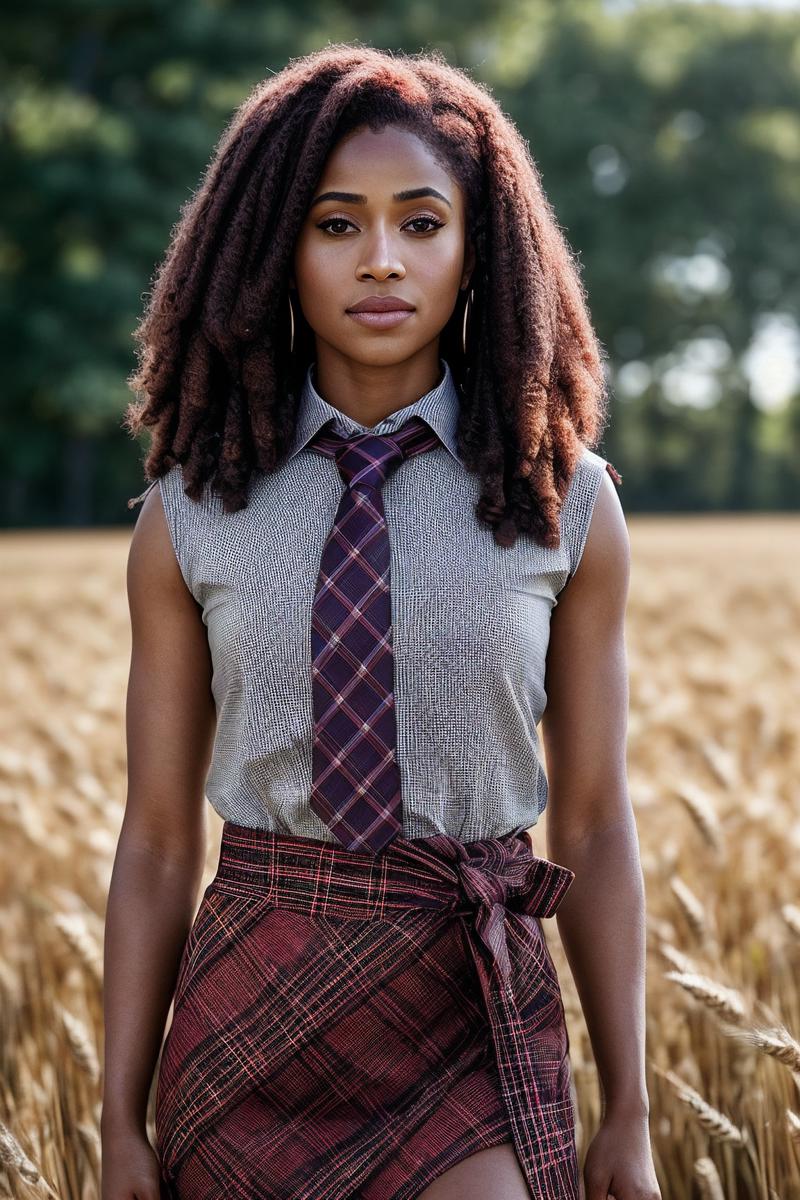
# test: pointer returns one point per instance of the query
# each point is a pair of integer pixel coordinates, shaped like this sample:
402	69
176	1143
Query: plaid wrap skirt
347	1025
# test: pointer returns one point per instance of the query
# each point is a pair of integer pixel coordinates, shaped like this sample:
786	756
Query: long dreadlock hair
215	379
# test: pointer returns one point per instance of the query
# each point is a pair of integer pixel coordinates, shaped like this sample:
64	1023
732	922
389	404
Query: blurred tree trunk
79	462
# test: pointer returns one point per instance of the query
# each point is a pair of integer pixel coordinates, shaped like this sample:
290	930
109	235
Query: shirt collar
440	408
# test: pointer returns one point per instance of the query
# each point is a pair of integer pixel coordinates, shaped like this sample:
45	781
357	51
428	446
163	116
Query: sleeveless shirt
470	629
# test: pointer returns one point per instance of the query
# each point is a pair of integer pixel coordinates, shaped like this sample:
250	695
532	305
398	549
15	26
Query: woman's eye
430	220
333	221
330	221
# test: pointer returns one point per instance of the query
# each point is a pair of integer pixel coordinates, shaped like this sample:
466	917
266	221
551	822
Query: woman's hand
130	1168
619	1161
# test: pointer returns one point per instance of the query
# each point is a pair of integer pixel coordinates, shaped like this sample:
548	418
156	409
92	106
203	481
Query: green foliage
668	137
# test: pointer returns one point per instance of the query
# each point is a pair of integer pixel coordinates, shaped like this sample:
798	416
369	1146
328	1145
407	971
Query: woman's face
362	237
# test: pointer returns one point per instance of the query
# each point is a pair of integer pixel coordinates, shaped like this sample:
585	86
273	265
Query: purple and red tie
356	779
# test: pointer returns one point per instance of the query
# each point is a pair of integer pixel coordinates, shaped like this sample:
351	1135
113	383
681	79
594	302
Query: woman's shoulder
190	521
204	506
591	462
173	485
585	483
581	498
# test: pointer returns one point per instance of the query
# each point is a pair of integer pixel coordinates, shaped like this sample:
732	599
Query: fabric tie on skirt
500	886
497	887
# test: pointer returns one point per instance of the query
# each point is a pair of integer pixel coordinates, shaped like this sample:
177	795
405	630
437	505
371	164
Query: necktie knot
367	459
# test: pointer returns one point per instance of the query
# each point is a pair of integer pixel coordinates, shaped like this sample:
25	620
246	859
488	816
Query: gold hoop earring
464	324
291	319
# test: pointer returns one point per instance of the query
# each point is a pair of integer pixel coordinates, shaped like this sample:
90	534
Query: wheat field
714	773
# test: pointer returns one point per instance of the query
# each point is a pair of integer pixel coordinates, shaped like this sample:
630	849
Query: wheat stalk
13	1156
720	761
777	1043
679	960
691	906
701	809
76	933
91	1141
725	1002
720	1127
708	1181
791	915
80	1044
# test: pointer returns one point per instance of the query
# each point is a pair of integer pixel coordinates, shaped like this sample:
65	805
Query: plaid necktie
356	780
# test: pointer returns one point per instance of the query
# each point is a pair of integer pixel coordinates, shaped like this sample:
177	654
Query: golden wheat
708	1180
713	759
721	1128
725	1002
778	1043
14	1158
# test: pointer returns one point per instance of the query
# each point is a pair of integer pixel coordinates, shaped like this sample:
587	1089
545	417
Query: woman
373	384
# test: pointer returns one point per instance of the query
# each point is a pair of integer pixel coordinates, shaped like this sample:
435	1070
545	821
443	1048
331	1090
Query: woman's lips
382	320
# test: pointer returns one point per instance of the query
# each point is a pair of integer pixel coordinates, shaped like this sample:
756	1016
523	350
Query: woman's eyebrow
358	198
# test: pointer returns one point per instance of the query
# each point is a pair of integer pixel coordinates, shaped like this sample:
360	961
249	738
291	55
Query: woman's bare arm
170	722
590	822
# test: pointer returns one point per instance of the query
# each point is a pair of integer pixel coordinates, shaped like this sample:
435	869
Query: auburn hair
216	381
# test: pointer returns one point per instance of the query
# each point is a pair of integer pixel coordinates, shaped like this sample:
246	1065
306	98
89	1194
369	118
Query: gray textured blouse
470	629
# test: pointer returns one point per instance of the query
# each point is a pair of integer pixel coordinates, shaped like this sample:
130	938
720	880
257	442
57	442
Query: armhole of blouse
175	502
588	481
